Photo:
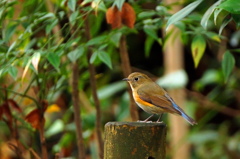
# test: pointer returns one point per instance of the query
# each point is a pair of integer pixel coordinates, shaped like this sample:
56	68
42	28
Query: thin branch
42	139
23	95
94	93
77	111
206	103
57	28
36	156
126	67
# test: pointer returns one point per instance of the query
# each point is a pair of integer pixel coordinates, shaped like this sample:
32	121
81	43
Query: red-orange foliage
116	18
36	116
128	15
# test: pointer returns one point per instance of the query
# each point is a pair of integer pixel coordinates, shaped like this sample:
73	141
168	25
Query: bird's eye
136	79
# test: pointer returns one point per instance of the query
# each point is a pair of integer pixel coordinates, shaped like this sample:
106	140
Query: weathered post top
134	140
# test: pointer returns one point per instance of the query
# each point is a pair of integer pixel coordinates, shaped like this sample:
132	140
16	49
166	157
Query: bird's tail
184	115
188	118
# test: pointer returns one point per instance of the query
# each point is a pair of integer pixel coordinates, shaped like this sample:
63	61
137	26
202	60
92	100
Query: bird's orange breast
140	101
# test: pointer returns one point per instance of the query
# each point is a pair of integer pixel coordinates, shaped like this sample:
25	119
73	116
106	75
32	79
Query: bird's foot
144	121
159	121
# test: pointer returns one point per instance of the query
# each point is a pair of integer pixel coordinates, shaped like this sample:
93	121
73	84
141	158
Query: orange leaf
113	17
14	105
53	108
35	118
1	112
128	15
7	112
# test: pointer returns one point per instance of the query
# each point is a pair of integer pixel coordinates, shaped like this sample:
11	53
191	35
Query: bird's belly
150	109
147	107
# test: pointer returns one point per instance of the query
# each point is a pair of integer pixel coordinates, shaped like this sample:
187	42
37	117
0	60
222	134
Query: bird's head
136	79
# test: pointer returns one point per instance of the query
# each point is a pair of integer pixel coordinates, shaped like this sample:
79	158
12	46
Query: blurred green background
43	42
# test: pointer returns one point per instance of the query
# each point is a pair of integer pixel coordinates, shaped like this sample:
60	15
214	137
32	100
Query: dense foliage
43	44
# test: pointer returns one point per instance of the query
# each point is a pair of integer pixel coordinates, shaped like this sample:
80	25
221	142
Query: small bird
152	98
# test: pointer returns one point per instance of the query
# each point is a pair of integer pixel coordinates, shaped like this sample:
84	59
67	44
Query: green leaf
11	47
216	13
97	40
93	57
105	58
73	17
102	47
208	13
66	139
198	47
228	63
151	32
54	59
51	26
47	16
10	31
85	2
182	13
72	5
213	36
76	54
148	45
236	18
119	4
56	127
115	38
13	71
146	14
232	6
26	68
225	22
35	60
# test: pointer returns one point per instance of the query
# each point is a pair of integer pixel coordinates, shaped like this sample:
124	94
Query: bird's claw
143	121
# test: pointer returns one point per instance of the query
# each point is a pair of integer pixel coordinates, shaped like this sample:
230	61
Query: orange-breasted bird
152	98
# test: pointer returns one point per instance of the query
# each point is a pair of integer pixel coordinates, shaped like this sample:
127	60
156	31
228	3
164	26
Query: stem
16	137
43	140
57	28
94	93
126	67
22	95
41	129
77	111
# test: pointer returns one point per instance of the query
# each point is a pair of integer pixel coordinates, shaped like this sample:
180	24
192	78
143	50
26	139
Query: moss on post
135	140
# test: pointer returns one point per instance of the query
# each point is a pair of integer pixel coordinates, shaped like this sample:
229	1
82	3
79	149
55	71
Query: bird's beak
126	79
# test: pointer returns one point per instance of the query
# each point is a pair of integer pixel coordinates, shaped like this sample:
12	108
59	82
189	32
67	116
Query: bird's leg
158	121
148	118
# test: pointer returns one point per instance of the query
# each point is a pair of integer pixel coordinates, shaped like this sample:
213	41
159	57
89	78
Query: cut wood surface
135	140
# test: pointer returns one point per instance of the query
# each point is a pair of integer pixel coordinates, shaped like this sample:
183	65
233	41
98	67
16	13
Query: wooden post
135	140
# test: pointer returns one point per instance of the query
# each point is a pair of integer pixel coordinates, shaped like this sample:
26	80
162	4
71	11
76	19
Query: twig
77	111
23	95
36	156
56	29
94	93
41	133
15	134
205	102
125	64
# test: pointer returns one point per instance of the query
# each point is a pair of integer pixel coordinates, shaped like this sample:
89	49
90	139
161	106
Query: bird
152	98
